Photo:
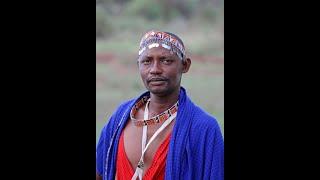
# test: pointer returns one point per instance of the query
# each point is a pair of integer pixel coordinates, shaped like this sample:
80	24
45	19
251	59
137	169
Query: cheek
143	74
175	75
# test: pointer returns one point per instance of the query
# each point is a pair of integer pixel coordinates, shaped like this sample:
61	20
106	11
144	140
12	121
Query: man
161	134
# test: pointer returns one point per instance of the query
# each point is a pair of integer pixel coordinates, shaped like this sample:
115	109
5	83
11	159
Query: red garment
124	171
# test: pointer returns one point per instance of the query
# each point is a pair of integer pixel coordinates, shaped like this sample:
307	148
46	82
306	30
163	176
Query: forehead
158	51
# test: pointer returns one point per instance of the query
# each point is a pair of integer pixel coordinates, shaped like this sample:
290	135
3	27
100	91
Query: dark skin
161	73
98	177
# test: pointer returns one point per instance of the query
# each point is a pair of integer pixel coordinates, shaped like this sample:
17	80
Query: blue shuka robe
196	149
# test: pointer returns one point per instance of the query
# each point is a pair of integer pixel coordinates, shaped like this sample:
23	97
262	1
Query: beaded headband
157	38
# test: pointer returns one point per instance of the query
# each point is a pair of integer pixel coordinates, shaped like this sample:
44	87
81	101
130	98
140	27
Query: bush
150	9
211	11
103	25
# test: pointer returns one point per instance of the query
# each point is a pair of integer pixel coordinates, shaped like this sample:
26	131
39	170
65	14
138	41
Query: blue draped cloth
196	149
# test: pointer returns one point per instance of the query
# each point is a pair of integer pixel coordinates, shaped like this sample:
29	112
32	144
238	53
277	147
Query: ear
186	65
138	62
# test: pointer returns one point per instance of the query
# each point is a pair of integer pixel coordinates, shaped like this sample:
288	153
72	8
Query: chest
133	142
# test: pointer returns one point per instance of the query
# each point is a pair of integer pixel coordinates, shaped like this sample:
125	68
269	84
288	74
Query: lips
156	80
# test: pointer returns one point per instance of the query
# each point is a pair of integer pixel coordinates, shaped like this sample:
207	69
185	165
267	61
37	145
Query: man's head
162	60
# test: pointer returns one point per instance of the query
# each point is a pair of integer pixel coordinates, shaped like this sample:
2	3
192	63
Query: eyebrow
167	57
161	57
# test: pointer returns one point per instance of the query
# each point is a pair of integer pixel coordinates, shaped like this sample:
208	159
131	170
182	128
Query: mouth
157	81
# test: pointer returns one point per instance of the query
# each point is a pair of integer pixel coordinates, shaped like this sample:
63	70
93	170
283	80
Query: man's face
160	70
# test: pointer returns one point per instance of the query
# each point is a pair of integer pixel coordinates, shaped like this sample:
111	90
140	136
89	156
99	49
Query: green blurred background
121	23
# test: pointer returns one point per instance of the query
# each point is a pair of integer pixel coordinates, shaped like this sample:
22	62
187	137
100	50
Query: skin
161	73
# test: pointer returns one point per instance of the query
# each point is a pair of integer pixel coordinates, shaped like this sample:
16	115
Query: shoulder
205	129
203	119
112	122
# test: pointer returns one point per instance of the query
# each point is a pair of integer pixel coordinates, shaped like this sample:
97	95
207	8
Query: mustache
157	79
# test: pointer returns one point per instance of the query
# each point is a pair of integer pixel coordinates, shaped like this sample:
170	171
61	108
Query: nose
156	68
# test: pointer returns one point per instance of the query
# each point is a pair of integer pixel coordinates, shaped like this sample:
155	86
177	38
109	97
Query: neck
158	104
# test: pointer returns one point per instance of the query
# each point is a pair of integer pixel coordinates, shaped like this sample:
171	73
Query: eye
167	61
145	62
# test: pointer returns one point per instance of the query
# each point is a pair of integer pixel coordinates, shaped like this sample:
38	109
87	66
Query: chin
160	91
